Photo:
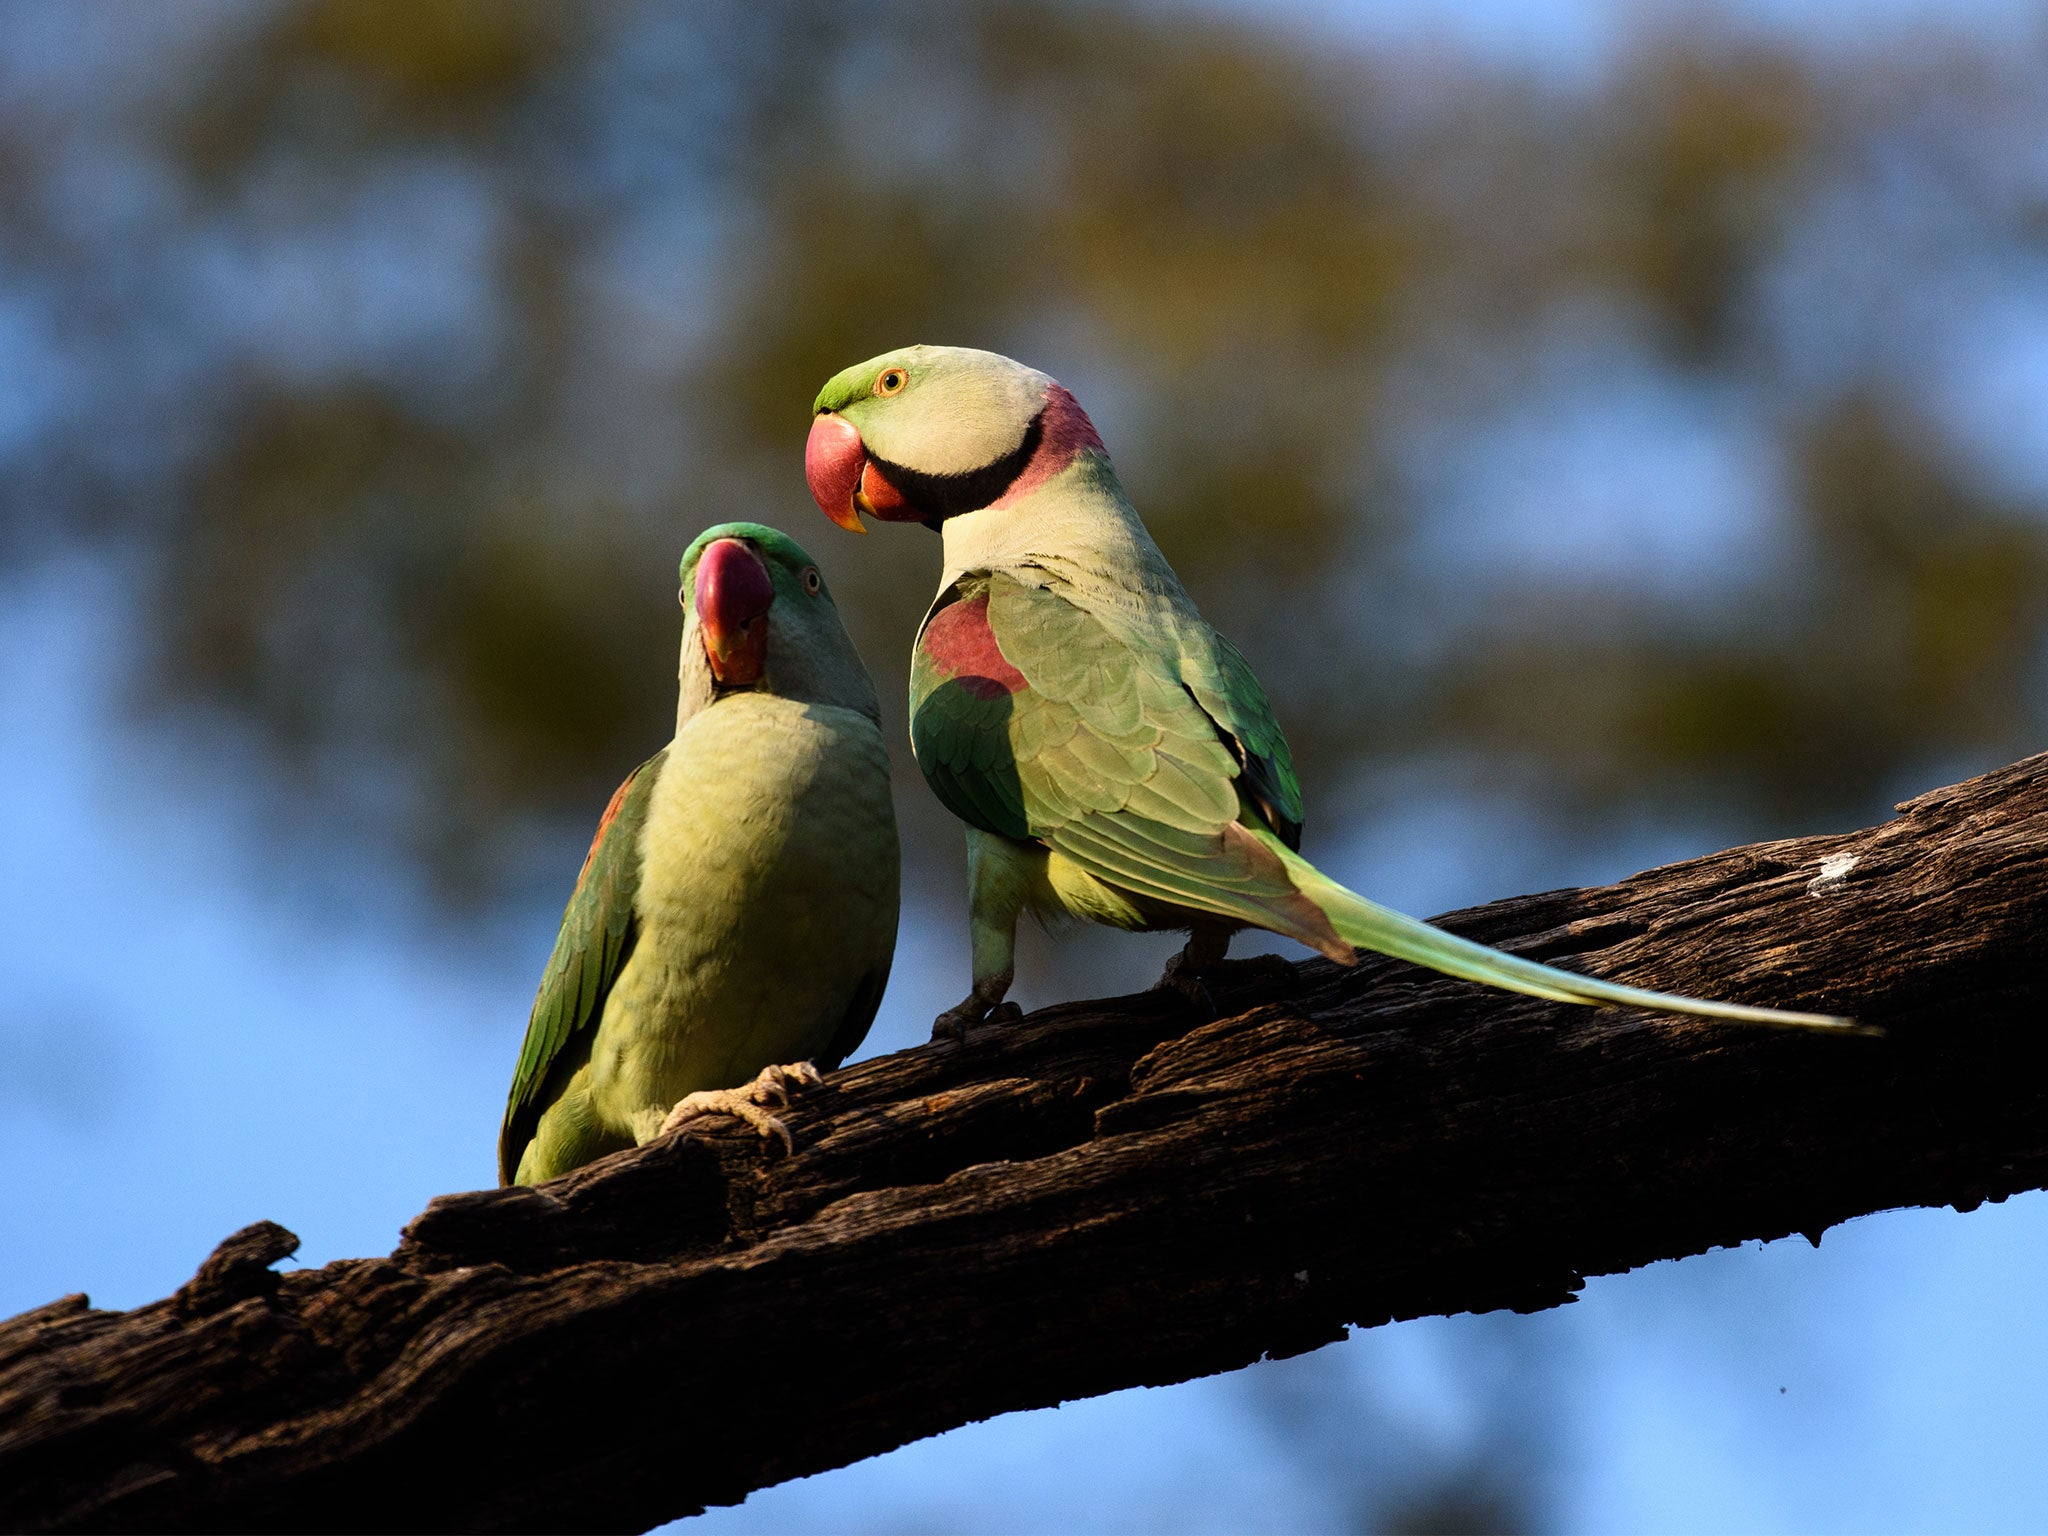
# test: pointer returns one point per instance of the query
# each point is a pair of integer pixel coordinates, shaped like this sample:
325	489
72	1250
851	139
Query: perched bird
736	913
1112	755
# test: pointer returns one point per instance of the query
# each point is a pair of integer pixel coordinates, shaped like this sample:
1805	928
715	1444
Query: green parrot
1112	755
736	913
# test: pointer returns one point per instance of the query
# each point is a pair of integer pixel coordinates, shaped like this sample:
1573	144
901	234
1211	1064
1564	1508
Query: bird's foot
773	1085
1183	976
954	1022
1191	978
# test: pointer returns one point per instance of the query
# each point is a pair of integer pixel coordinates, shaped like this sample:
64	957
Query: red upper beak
732	598
833	460
844	480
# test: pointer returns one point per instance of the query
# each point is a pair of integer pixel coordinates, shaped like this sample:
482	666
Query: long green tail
1368	925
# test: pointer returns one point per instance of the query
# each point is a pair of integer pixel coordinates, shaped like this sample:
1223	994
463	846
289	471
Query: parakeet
736	913
1112	755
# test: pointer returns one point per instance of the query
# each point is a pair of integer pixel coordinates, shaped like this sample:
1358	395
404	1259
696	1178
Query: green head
758	617
922	434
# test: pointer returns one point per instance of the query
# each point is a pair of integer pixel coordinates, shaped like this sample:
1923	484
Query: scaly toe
686	1109
736	1102
776	1084
1005	1013
767	1124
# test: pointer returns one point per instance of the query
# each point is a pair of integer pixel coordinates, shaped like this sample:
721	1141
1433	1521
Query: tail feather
1369	925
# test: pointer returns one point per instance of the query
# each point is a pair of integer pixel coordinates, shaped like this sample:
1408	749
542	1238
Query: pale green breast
767	902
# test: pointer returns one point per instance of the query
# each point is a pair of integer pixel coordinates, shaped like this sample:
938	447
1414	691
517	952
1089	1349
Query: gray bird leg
1206	946
998	875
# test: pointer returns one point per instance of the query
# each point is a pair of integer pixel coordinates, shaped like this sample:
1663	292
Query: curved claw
774	1084
984	1004
954	1022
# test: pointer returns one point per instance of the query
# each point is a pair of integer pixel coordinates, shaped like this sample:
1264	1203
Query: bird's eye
891	381
813	582
682	597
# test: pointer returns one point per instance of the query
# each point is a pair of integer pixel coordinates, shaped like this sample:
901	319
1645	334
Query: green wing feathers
1027	714
1031	719
1232	873
597	934
1225	686
1163	773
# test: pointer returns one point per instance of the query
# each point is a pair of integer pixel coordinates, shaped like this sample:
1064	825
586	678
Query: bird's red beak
845	482
733	594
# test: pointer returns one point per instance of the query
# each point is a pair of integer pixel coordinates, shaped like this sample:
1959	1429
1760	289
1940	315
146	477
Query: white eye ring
813	582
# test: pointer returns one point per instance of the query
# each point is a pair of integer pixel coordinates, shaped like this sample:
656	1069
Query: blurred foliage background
1576	440
1656	445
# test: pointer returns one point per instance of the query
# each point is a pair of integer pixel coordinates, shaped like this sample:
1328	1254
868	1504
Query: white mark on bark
1832	873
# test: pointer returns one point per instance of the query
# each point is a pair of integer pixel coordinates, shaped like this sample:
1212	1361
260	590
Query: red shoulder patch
604	822
959	642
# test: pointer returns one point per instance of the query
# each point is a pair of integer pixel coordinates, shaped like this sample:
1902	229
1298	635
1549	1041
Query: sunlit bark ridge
1106	1194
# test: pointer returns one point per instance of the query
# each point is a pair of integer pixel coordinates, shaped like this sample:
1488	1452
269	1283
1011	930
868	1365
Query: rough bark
1107	1194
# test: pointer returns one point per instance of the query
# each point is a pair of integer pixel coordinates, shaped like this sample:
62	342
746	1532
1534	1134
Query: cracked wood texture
1106	1194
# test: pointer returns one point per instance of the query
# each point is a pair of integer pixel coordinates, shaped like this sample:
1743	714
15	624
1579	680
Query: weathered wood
1106	1194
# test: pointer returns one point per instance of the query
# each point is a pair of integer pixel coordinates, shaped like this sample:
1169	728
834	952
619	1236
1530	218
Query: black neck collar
937	497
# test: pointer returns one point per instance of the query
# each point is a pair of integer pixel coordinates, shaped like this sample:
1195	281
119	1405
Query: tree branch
1104	1195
